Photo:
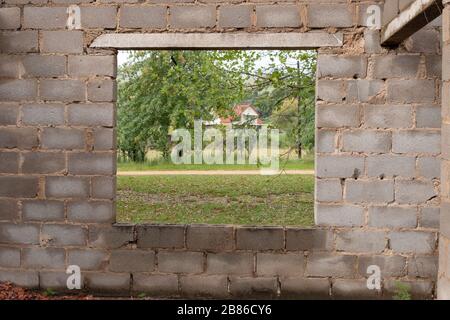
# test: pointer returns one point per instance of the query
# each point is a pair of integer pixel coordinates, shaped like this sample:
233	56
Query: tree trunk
299	118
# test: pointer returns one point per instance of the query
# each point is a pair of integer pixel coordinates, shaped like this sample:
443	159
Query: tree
162	90
288	77
286	117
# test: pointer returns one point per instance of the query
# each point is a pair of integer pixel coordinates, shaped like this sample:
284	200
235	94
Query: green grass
245	200
307	164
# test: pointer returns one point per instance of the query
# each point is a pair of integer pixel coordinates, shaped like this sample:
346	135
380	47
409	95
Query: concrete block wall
444	240
377	186
378	120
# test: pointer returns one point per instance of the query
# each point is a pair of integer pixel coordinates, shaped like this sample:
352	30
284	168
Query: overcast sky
122	57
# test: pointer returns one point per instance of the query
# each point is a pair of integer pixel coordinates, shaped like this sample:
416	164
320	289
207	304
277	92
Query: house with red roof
244	113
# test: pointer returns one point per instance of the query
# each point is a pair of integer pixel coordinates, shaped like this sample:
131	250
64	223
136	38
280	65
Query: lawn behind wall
304	164
284	200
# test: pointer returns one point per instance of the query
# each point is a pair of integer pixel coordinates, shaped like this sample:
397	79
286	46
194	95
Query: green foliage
402	291
49	292
286	118
285	89
161	90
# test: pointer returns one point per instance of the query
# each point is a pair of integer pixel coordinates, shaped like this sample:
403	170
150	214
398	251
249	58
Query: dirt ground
11	292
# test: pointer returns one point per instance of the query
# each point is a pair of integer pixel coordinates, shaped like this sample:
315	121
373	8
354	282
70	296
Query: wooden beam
410	20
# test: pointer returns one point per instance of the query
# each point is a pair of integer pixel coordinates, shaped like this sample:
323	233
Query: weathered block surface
377	166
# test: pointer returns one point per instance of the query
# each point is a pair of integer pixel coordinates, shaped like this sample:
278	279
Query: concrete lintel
410	20
308	40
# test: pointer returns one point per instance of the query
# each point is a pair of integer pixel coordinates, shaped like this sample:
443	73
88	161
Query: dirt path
207	172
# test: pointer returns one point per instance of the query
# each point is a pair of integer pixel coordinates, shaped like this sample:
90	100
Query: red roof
226	120
239	108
